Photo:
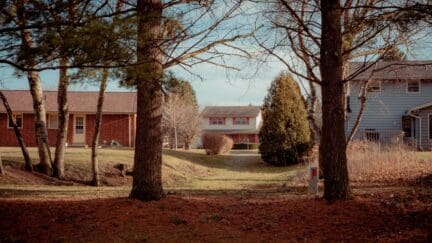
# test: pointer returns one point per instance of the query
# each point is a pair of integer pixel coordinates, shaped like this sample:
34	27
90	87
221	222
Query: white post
314	177
175	137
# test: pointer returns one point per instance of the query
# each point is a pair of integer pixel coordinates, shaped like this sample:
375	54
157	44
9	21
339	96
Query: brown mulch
216	219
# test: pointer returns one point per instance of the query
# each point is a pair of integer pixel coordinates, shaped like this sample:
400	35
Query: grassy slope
181	170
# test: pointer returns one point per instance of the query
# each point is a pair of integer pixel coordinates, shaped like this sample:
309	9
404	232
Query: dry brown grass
371	162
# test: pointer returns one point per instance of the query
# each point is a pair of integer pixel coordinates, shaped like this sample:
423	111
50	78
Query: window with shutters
241	120
217	121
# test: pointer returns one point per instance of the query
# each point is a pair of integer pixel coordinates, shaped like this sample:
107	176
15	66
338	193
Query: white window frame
15	114
49	121
413	92
218	119
379	85
235	119
83	124
366	131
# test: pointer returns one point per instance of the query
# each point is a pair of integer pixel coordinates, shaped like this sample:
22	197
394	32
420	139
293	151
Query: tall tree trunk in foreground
45	162
98	123
2	171
333	144
63	120
26	155
147	176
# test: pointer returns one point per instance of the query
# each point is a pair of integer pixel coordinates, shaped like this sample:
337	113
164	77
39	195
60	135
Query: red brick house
118	120
241	123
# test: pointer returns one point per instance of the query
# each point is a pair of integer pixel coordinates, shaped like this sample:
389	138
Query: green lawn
182	170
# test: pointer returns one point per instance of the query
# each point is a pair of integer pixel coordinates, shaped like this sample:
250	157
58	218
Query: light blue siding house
398	103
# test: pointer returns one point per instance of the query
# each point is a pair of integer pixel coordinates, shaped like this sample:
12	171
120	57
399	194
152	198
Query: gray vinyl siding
384	110
424	116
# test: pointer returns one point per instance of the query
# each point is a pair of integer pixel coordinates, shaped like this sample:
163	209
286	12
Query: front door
79	129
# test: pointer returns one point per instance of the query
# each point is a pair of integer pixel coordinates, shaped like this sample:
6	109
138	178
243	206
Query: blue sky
217	87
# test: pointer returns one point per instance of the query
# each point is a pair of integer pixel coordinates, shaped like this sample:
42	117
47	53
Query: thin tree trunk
41	132
362	99
2	171
187	143
26	155
175	138
63	119
333	144
98	123
147	176
312	111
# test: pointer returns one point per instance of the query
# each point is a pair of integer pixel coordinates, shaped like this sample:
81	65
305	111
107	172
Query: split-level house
118	119
398	103
241	123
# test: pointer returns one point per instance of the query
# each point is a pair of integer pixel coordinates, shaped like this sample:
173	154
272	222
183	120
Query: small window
240	120
53	121
374	87
18	121
217	121
372	136
413	86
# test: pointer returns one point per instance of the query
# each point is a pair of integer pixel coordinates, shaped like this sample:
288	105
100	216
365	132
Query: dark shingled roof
231	111
79	101
393	70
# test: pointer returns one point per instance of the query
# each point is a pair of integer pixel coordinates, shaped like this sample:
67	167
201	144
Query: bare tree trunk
312	111
175	138
26	155
362	99
98	123
333	144
187	142
147	176
63	119
2	171
45	162
40	123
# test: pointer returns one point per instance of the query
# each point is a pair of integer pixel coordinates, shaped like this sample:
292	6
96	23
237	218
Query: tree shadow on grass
237	160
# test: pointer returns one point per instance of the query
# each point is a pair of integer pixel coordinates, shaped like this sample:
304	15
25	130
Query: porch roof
420	107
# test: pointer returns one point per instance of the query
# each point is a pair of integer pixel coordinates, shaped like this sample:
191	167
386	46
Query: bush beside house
245	146
216	143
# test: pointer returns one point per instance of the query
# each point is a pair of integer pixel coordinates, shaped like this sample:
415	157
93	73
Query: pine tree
285	135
